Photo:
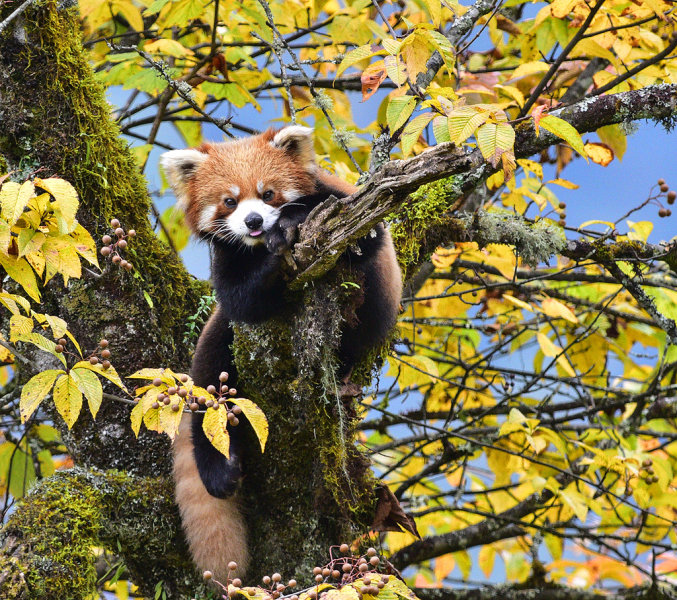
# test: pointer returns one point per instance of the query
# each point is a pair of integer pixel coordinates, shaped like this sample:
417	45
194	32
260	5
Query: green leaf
464	120
398	111
35	390
88	383
413	131
564	130
355	56
214	426
67	399
17	466
441	130
494	139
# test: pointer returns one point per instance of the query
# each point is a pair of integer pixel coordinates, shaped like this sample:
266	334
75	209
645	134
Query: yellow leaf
61	257
564	183
415	53
14	198
614	137
90	386
214	425
413	131
137	418
547	346
495	139
464	563
599	153
355	56
34	391
169	47
18	326
565	131
464	120
414	371
110	373
66	199
67	399
562	8
170	418
486	558
554	308
5	236
444	565
129	12
576	501
256	417
43	343
640	230
517	302
84	245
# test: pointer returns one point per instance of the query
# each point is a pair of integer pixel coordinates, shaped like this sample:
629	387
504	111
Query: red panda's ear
298	142
179	166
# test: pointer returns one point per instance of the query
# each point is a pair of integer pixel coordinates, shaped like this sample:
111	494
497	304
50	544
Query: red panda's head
234	190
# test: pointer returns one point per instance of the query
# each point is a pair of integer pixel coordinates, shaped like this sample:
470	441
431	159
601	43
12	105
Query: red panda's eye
230	202
268	196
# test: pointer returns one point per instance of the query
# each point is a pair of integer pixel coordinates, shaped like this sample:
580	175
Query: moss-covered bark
49	543
308	491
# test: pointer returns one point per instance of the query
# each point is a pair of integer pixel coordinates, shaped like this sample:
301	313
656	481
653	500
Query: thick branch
333	226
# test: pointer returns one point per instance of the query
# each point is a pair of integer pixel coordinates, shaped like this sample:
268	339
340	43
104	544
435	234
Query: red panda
243	197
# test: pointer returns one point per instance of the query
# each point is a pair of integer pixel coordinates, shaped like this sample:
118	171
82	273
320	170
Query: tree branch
334	225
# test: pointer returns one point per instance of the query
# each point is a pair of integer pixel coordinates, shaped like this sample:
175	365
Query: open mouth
256	233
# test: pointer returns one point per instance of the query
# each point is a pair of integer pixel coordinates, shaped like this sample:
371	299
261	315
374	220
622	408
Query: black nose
253	220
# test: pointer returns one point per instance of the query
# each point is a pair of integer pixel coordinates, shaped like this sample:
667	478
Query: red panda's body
244	197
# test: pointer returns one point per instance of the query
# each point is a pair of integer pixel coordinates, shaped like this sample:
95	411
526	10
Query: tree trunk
309	490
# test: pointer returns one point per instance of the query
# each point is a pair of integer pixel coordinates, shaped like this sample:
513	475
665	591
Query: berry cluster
196	403
562	215
648	472
111	248
670	197
358	571
102	350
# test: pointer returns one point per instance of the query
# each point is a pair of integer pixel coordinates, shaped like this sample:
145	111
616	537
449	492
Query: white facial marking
235	191
259	187
291	195
206	217
237	225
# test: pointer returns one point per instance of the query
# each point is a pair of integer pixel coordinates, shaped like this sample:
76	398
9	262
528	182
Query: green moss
65	517
425	208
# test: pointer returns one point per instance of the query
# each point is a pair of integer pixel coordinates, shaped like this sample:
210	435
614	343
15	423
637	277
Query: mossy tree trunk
310	490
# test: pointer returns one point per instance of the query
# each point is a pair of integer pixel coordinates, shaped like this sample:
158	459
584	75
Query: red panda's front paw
282	235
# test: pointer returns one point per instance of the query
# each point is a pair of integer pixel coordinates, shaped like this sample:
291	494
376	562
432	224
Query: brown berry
211	389
326	572
128	266
371	551
318	578
277	577
224	389
122	244
166	400
335	574
171	391
183	392
223	377
175	407
93	360
562	223
374	561
237	411
209	403
201	400
155	405
647	462
562	205
347	568
105	251
105	353
317	570
232	565
117	259
207	575
363	568
665	188
58	348
106	365
237	582
235	422
106	239
672	196
194	406
232	392
662	212
668	212
103	343
131	232
661	181
291	583
266	580
119	231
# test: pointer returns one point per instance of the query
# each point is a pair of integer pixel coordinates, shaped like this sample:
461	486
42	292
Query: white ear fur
297	140
179	166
